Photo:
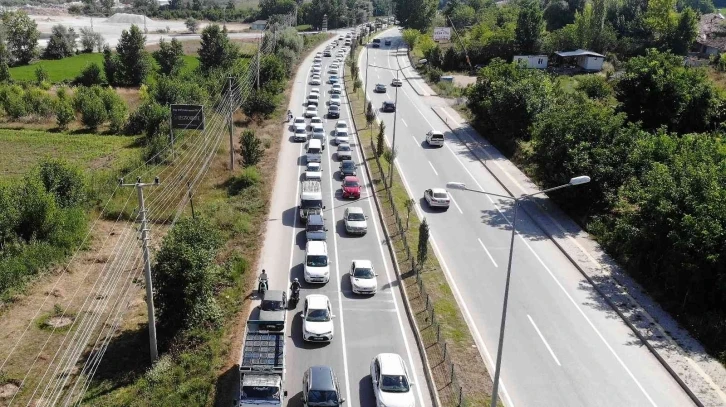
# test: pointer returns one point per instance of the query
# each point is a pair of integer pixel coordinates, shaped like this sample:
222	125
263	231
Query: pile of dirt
59	322
8	390
123	18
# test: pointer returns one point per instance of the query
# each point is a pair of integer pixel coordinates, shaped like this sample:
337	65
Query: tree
370	115
462	16
380	140
192	25
251	148
416	14
423	243
107	6
272	7
684	33
111	66
93	111
169	56
64	114
529	28
357	84
4	62
132	57
63	180
557	15
62	43
91	40
272	73
22	36
409	205
216	51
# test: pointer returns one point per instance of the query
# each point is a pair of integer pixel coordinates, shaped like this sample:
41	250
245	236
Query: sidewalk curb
433	393
610	303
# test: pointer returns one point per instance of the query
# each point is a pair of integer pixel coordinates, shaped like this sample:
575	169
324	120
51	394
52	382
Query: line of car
389	374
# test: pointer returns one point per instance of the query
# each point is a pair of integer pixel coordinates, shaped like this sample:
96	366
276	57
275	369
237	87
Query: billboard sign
187	117
442	33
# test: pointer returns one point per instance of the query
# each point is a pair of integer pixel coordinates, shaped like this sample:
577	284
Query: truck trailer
262	367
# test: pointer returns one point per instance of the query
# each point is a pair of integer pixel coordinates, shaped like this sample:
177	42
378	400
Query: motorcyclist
289	115
263	280
295	286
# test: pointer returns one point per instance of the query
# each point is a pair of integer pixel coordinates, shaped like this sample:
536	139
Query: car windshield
315	228
300	131
347	165
363	273
311	203
356	217
312	167
350	183
394	384
269	305
317	260
315	120
343	148
330	398
342	134
318	315
440	195
437	136
260	393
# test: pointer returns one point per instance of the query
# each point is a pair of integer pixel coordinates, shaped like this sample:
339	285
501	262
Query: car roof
354	209
315	219
347	162
273	295
315	143
341	121
351	178
391	364
317	301
316	247
321	378
438	190
388	102
343	145
363	264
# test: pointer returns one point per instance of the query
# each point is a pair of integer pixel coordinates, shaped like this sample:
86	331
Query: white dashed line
488	254
544	340
436	172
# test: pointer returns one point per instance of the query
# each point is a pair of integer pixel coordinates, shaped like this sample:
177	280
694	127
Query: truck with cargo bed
262	367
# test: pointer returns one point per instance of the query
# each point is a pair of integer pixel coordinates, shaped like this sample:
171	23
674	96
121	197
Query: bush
64	113
90	75
115	108
261	103
156	151
251	148
147	118
250	176
434	74
93	112
62	180
38	102
594	86
41	75
14	102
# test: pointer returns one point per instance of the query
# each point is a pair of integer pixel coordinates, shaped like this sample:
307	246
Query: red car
351	187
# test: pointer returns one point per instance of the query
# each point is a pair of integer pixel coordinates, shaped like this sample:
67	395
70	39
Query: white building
587	60
531	61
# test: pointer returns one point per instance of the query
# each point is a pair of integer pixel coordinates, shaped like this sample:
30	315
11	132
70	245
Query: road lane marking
457	205
488	254
404	123
414	140
544	340
436	172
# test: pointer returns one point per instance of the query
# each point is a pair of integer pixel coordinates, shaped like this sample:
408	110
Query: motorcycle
261	286
294	297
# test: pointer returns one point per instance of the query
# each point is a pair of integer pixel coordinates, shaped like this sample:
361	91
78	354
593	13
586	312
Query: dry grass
470	370
248	46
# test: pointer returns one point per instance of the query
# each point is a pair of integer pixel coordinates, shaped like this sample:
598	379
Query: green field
21	149
68	68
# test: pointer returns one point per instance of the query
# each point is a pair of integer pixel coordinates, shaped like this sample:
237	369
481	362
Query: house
259	25
531	61
587	60
711	38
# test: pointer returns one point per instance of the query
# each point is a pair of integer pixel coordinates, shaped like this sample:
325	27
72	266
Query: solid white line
404	122
457	205
435	172
544	340
488	254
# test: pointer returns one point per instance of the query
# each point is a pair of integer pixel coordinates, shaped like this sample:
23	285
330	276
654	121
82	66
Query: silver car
344	152
355	221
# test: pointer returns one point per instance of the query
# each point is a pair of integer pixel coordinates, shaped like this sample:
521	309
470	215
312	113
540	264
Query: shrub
156	151
64	113
434	74
14	103
261	103
90	75
93	112
594	86
37	210
38	102
62	180
250	176
191	24
251	148
41	75
147	118
115	109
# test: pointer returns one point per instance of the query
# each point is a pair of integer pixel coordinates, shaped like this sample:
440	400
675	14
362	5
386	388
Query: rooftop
578	53
712	31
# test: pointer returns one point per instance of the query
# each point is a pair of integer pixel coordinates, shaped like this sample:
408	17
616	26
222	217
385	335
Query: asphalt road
364	326
563	345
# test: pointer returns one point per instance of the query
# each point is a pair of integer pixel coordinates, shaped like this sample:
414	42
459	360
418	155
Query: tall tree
22	36
684	33
4	62
418	14
62	43
107	6
216	51
132	56
169	56
529	28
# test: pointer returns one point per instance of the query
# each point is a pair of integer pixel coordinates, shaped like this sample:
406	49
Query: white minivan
316	262
435	138
314	151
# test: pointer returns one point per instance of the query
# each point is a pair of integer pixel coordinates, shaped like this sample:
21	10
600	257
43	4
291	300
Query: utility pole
393	144
147	262
231	126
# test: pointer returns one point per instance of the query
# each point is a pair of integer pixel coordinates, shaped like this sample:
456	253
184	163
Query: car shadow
426	208
296	333
426	146
289	217
365	391
295	400
301	240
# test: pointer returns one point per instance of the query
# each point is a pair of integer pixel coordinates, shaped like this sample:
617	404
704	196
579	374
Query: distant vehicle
437	197
317	316
333	79
315	80
315	228
316	69
333	112
363	277
318	133
435	138
355	221
315	91
320	388
388	106
300	133
351	187
313	99
341	125
313	172
387	42
376	44
380	88
391	383
262	380
327	53
313	121
299	121
273	310
335	99
336	89
347	167
376	40
341	136
344	152
396	82
311	111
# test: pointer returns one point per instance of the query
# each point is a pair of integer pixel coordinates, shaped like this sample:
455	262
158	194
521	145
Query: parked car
344	152
388	106
317	317
347	167
273	310
437	197
363	277
380	88
391	383
351	187
355	221
320	388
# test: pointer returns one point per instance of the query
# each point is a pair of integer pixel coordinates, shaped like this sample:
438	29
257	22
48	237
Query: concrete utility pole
231	124
147	262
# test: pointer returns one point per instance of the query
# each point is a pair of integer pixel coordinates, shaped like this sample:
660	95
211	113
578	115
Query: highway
364	325
563	345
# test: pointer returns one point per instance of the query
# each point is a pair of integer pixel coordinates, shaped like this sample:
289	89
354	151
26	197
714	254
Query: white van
314	151
316	262
435	138
311	199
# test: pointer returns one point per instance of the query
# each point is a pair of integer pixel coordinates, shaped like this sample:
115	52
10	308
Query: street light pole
393	143
365	87
583	179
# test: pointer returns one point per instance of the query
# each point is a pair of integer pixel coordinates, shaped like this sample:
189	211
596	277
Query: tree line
652	142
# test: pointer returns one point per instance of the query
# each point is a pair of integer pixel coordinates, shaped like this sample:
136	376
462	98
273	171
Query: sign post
187	117
442	33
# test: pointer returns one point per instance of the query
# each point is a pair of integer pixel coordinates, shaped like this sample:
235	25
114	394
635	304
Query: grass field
21	149
68	68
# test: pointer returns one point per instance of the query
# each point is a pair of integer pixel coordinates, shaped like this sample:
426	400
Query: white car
355	221
300	134
315	80
313	172
315	91
341	125
317	316
342	136
391	384
318	60
313	99
437	197
311	111
363	277
336	89
313	121
317	69
435	138
299	121
333	69
335	99
319	133
344	152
